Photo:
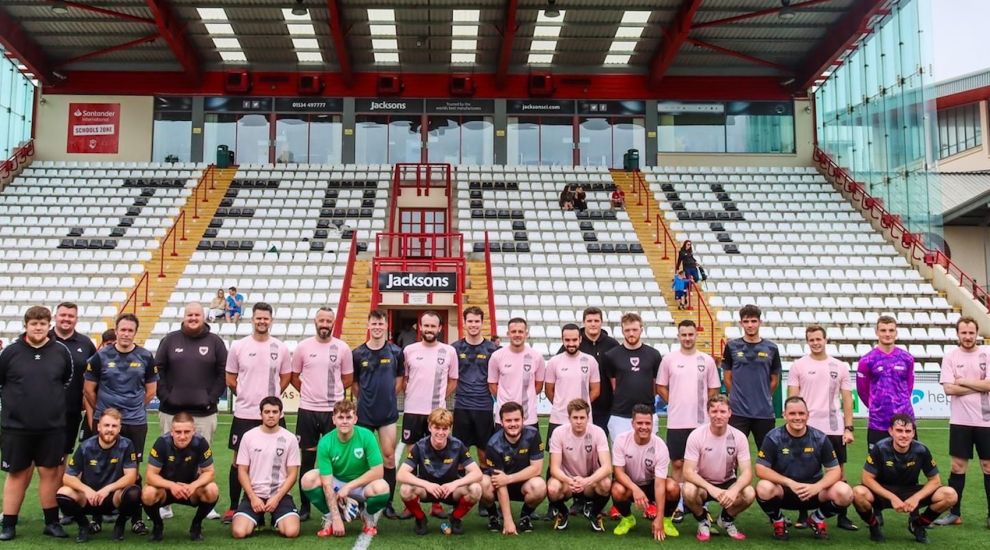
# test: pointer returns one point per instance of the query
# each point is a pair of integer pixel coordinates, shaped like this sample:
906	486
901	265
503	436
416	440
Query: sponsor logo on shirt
809	449
179	350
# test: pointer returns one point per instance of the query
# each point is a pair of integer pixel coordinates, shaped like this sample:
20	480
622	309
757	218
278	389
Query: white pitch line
363	542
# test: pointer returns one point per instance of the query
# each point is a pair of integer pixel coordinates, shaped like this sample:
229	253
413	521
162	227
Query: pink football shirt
257	366
820	384
571	376
268	458
642	463
688	379
972	409
516	375
717	457
320	367
579	454
427	371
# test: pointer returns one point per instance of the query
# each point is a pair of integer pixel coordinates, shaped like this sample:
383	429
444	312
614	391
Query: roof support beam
171	28
105	11
759	13
340	42
17	42
839	38
740	55
673	37
509	27
104	51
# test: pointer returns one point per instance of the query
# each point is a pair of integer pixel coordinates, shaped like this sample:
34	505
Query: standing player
570	375
180	470
890	480
885	380
322	366
964	377
821	380
631	369
717	468
687	379
34	369
789	466
348	465
512	472
473	418
751	369
439	468
596	341
516	373
267	465
258	366
81	348
379	370
580	467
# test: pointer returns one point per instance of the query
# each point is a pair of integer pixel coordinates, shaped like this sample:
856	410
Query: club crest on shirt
441	360
274	356
359	453
701	367
203	350
279	451
730	451
333	357
587	448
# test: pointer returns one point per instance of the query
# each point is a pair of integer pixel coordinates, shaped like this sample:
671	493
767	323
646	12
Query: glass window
596	142
370	133
16	107
292	139
691	133
444	138
172	137
959	130
253	135
760	127
219	129
325	145
628	133
400	134
523	140
461	139
557	141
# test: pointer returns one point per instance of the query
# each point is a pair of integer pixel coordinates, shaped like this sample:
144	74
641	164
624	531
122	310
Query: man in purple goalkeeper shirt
885	380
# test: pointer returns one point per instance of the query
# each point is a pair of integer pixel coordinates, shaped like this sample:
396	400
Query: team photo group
77	414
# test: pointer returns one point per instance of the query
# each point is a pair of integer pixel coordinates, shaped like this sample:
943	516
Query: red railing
492	324
174	235
642	190
210	176
669	244
423	177
18	161
419	245
338	327
143	282
873	207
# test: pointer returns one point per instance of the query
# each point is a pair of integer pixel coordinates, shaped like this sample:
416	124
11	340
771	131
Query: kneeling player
349	465
717	468
514	462
580	467
890	480
790	465
180	471
101	477
439	468
641	461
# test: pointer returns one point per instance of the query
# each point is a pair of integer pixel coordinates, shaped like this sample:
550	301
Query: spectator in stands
680	286
108	338
218	306
407	336
235	303
567	198
580	199
686	261
618	199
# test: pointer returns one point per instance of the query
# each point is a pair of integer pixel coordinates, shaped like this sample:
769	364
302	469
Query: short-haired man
516	373
235	305
267	465
180	471
82	348
890	480
514	461
379	371
430	378
101	477
439	468
717	467
322	367
885	380
595	341
641	460
751	371
570	375
258	366
964	378
580	467
687	379
34	369
474	420
348	466
631	369
789	466
821	380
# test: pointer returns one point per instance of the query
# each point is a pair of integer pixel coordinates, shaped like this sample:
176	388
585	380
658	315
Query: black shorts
759	427
311	426
550	429
239	427
414	427
170	500
791	501
669	504
962	439
73	429
449	500
903	493
515	492
474	427
374	427
677	441
286	507
105	508
20	450
839	447
724	486
137	433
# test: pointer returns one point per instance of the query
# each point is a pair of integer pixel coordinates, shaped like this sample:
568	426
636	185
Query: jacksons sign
417	281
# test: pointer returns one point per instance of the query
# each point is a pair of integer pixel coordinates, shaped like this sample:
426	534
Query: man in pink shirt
570	375
267	465
516	372
640	460
821	379
687	379
717	468
322	367
258	366
580	467
964	377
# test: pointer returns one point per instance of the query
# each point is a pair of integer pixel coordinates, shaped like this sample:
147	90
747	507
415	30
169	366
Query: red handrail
492	324
173	233
419	245
17	162
639	181
338	326
143	281
668	239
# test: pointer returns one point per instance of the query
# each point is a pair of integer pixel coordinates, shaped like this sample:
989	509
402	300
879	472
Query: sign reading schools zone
93	128
417	281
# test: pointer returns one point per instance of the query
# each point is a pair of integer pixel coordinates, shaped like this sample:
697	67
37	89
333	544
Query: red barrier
132	297
17	162
492	324
345	290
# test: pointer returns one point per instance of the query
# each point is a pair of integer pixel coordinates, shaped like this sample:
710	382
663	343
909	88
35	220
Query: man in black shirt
81	348
751	372
630	369
34	370
789	465
890	480
101	477
513	464
474	422
180	470
596	342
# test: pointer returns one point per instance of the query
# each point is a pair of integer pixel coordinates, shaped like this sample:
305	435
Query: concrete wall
969	250
136	126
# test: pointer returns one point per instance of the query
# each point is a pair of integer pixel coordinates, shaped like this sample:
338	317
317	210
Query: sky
960	44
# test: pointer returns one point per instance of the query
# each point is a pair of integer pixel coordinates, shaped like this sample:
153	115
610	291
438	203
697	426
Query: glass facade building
16	107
